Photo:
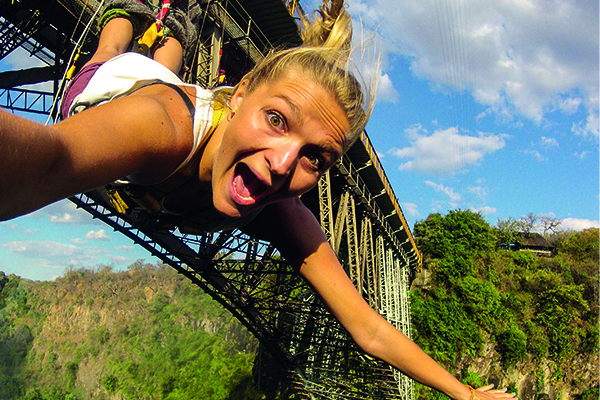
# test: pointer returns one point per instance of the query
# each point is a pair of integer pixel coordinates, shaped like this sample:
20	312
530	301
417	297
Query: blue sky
488	106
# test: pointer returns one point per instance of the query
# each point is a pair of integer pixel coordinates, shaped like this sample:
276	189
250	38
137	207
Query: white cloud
97	235
49	254
486	210
545	146
446	151
415	131
548	142
124	249
44	248
410	209
9	224
588	127
386	90
578	224
65	212
63	219
454	198
535	154
569	105
479	191
581	155
18	230
516	58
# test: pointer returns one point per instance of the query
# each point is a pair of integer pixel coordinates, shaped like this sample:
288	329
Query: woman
244	160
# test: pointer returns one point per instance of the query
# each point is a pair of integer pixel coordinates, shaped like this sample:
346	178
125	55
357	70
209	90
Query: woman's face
280	140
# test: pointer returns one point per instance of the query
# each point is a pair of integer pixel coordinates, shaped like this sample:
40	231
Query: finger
502	394
494	396
496	393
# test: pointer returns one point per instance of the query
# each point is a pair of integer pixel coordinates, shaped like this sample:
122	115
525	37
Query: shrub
512	345
481	301
443	326
581	246
590	394
472	379
100	335
525	259
110	383
557	308
159	301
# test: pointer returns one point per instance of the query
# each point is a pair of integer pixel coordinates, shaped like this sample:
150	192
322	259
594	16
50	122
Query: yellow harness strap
117	201
152	37
72	68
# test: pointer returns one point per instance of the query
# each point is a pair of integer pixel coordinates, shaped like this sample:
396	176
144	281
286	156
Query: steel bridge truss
33	101
357	210
252	280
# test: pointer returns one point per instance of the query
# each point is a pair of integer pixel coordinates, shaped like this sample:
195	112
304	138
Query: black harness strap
183	95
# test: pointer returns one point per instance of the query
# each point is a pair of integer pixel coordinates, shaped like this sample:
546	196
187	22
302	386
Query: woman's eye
315	160
275	120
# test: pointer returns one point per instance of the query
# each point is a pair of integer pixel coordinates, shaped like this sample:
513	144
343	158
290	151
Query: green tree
557	308
516	303
452	240
507	230
581	246
110	383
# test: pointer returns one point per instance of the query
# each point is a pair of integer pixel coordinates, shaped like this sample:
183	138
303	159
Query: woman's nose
283	159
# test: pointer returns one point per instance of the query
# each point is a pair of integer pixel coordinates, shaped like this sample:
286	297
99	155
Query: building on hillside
533	242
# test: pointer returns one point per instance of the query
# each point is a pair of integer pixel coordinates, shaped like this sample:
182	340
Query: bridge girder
32	101
249	277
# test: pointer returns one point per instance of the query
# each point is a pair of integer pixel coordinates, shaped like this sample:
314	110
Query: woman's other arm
145	134
299	237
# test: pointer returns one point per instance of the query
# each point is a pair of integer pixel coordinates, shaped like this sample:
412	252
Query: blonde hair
324	58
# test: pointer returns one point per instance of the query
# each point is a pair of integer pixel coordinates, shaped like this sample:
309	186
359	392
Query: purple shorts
76	86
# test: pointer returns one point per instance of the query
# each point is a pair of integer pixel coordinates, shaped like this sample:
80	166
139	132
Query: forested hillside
508	317
489	315
147	333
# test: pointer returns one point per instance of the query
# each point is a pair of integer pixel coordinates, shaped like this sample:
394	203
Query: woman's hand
489	393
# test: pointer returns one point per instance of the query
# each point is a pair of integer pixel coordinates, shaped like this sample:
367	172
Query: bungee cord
73	58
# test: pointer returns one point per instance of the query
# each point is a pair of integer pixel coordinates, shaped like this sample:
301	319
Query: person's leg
170	54
114	40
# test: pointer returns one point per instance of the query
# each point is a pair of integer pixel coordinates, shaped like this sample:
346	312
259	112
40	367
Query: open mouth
246	186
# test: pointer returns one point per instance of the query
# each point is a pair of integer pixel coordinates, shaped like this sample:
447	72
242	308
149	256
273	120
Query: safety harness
146	44
156	33
125	197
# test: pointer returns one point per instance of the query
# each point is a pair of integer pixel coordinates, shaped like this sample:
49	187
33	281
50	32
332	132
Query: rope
156	33
162	14
73	56
190	76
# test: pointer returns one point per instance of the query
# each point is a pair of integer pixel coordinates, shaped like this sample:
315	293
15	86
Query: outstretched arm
146	134
297	234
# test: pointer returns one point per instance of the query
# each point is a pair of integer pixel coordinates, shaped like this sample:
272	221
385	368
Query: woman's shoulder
289	225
